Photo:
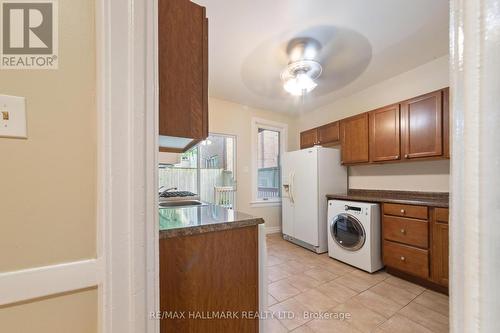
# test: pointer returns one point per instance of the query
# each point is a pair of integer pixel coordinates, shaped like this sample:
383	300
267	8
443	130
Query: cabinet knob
403	231
403	258
402	211
406	155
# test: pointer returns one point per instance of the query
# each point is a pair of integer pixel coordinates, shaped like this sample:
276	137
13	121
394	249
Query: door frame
127	145
126	267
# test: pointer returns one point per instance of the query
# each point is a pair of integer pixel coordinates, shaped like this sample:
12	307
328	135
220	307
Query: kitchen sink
181	203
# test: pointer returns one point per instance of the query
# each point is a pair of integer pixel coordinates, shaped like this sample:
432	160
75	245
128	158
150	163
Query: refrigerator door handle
292	176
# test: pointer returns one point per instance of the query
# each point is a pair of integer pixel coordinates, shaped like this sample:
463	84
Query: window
179	171
207	170
269	144
217	170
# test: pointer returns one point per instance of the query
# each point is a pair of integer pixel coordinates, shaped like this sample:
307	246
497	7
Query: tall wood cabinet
183	74
354	139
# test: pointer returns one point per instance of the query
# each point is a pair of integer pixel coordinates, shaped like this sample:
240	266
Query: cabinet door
440	246
384	134
329	134
354	139
422	126
183	69
308	138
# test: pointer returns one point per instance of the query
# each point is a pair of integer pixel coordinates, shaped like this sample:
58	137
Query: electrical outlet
12	117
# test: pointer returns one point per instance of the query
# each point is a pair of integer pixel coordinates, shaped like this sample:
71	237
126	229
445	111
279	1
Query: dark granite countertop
431	199
184	221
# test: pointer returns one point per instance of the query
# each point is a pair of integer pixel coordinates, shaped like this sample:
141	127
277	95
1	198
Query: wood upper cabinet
308	138
183	71
354	139
326	135
384	134
422	126
329	134
440	246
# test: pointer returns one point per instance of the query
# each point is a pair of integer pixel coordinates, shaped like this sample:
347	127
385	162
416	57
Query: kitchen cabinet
183	74
354	139
384	134
422	126
326	135
308	138
440	246
415	129
415	243
329	134
206	273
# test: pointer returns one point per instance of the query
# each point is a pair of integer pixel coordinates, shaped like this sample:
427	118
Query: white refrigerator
308	175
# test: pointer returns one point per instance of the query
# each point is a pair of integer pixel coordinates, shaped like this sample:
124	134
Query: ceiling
364	42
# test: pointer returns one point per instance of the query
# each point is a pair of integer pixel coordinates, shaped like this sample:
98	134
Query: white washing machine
354	234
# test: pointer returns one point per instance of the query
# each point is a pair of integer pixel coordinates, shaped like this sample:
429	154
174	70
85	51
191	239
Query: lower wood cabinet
407	258
210	272
415	243
440	246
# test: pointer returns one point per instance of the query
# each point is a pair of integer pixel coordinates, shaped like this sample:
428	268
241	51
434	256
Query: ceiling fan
302	70
312	62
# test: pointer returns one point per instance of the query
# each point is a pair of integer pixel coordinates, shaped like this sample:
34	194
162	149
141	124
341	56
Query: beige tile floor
302	282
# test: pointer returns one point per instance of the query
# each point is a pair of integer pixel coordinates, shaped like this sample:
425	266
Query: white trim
265	203
127	165
273	230
26	284
475	166
271	125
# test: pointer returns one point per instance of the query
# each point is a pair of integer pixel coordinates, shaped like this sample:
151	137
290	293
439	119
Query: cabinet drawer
407	259
418	212
407	231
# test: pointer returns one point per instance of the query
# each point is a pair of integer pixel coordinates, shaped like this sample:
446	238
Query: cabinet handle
403	258
402	211
406	155
403	231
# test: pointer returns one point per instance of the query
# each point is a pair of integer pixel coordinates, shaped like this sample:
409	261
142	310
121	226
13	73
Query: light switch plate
13	117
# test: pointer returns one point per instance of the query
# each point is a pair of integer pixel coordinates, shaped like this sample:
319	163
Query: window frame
235	165
266	124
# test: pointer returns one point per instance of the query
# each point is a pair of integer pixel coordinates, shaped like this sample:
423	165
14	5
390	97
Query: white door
305	195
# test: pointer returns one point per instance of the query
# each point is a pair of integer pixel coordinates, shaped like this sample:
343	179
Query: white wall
236	119
411	176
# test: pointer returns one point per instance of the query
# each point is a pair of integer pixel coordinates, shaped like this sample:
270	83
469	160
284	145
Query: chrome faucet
168	189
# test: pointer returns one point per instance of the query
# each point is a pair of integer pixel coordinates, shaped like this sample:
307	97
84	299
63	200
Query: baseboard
273	230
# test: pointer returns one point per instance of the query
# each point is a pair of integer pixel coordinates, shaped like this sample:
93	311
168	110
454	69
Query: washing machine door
348	232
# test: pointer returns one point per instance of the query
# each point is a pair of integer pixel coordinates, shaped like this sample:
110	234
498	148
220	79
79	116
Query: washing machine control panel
356	210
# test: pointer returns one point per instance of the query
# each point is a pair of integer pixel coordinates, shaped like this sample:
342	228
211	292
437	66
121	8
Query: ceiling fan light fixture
298	78
299	85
